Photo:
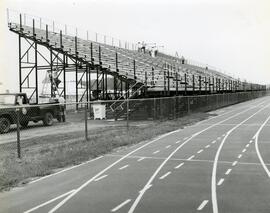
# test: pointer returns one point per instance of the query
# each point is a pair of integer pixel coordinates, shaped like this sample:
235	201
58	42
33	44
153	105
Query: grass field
46	154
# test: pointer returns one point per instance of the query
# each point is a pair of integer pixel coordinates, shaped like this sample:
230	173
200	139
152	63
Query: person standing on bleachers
143	47
139	47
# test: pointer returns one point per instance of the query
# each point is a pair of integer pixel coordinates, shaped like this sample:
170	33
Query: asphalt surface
218	165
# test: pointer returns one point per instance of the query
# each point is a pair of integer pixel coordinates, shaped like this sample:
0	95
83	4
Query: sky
232	35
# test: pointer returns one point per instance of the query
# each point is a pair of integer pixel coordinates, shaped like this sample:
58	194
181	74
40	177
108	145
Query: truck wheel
4	125
48	119
24	124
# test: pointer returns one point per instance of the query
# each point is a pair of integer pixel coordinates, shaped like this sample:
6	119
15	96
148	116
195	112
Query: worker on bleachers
182	60
139	47
143	47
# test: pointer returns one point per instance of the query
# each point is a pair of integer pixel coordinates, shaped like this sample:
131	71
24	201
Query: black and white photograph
134	106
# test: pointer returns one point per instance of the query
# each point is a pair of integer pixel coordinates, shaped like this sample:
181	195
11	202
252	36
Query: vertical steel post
176	77
205	84
76	72
103	88
18	133
87	83
85	122
168	76
153	77
51	66
20	22
116	62
47	34
97	69
213	84
20	64
64	76
193	84
200	85
185	84
61	44
91	53
36	72
127	114
34	34
134	69
106	86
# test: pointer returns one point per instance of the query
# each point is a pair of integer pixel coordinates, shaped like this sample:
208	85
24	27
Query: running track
218	165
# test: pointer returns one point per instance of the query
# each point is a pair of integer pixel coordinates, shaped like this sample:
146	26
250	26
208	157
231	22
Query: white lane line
203	204
228	172
214	170
120	205
123	167
244	150
247	145
48	202
257	148
139	197
178	141
140	159
191	157
239	156
207	146
145	189
156	152
220	181
178	166
251	141
201	150
64	170
214	141
167	147
185	138
165	175
101	177
234	163
223	135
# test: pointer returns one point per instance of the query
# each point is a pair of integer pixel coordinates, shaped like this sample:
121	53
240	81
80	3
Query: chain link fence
25	128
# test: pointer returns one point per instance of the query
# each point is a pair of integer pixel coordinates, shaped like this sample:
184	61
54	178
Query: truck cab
15	107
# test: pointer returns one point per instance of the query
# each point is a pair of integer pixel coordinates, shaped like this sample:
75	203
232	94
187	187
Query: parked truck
15	108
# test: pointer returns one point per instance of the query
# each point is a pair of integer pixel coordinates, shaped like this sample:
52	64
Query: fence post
188	105
18	133
174	109
127	114
85	122
155	109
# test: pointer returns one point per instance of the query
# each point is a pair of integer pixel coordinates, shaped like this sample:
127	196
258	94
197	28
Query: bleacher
159	73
